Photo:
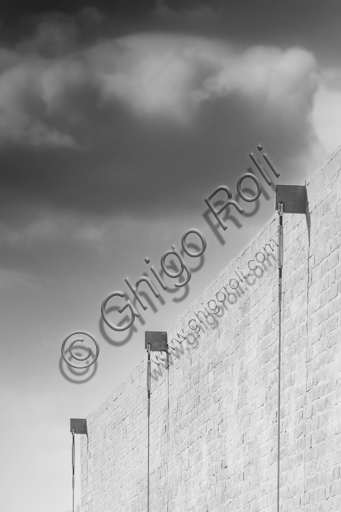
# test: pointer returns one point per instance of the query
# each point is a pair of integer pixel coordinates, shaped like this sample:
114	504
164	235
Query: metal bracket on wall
78	426
293	197
157	340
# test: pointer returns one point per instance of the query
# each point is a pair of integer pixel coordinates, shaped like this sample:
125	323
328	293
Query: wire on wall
168	434
73	470
306	354
280	267
148	420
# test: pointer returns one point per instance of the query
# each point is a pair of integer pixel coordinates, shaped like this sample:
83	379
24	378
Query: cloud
173	78
23	106
152	74
284	80
148	120
160	84
187	79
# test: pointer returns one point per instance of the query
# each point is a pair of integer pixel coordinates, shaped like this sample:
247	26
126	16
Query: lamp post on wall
157	342
289	199
77	426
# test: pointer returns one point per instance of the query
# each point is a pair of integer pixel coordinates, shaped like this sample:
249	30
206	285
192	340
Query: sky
117	120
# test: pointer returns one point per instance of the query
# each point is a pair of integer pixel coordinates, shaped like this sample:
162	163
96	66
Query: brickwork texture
214	410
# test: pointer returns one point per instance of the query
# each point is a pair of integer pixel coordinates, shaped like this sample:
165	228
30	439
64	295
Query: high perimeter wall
213	430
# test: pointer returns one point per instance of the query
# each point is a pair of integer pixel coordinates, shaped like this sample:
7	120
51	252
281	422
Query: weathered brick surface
214	412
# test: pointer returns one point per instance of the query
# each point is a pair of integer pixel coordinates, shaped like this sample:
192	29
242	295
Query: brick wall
214	444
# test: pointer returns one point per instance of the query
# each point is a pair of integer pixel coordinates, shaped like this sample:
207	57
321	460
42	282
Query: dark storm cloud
134	123
310	23
140	125
22	8
145	122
